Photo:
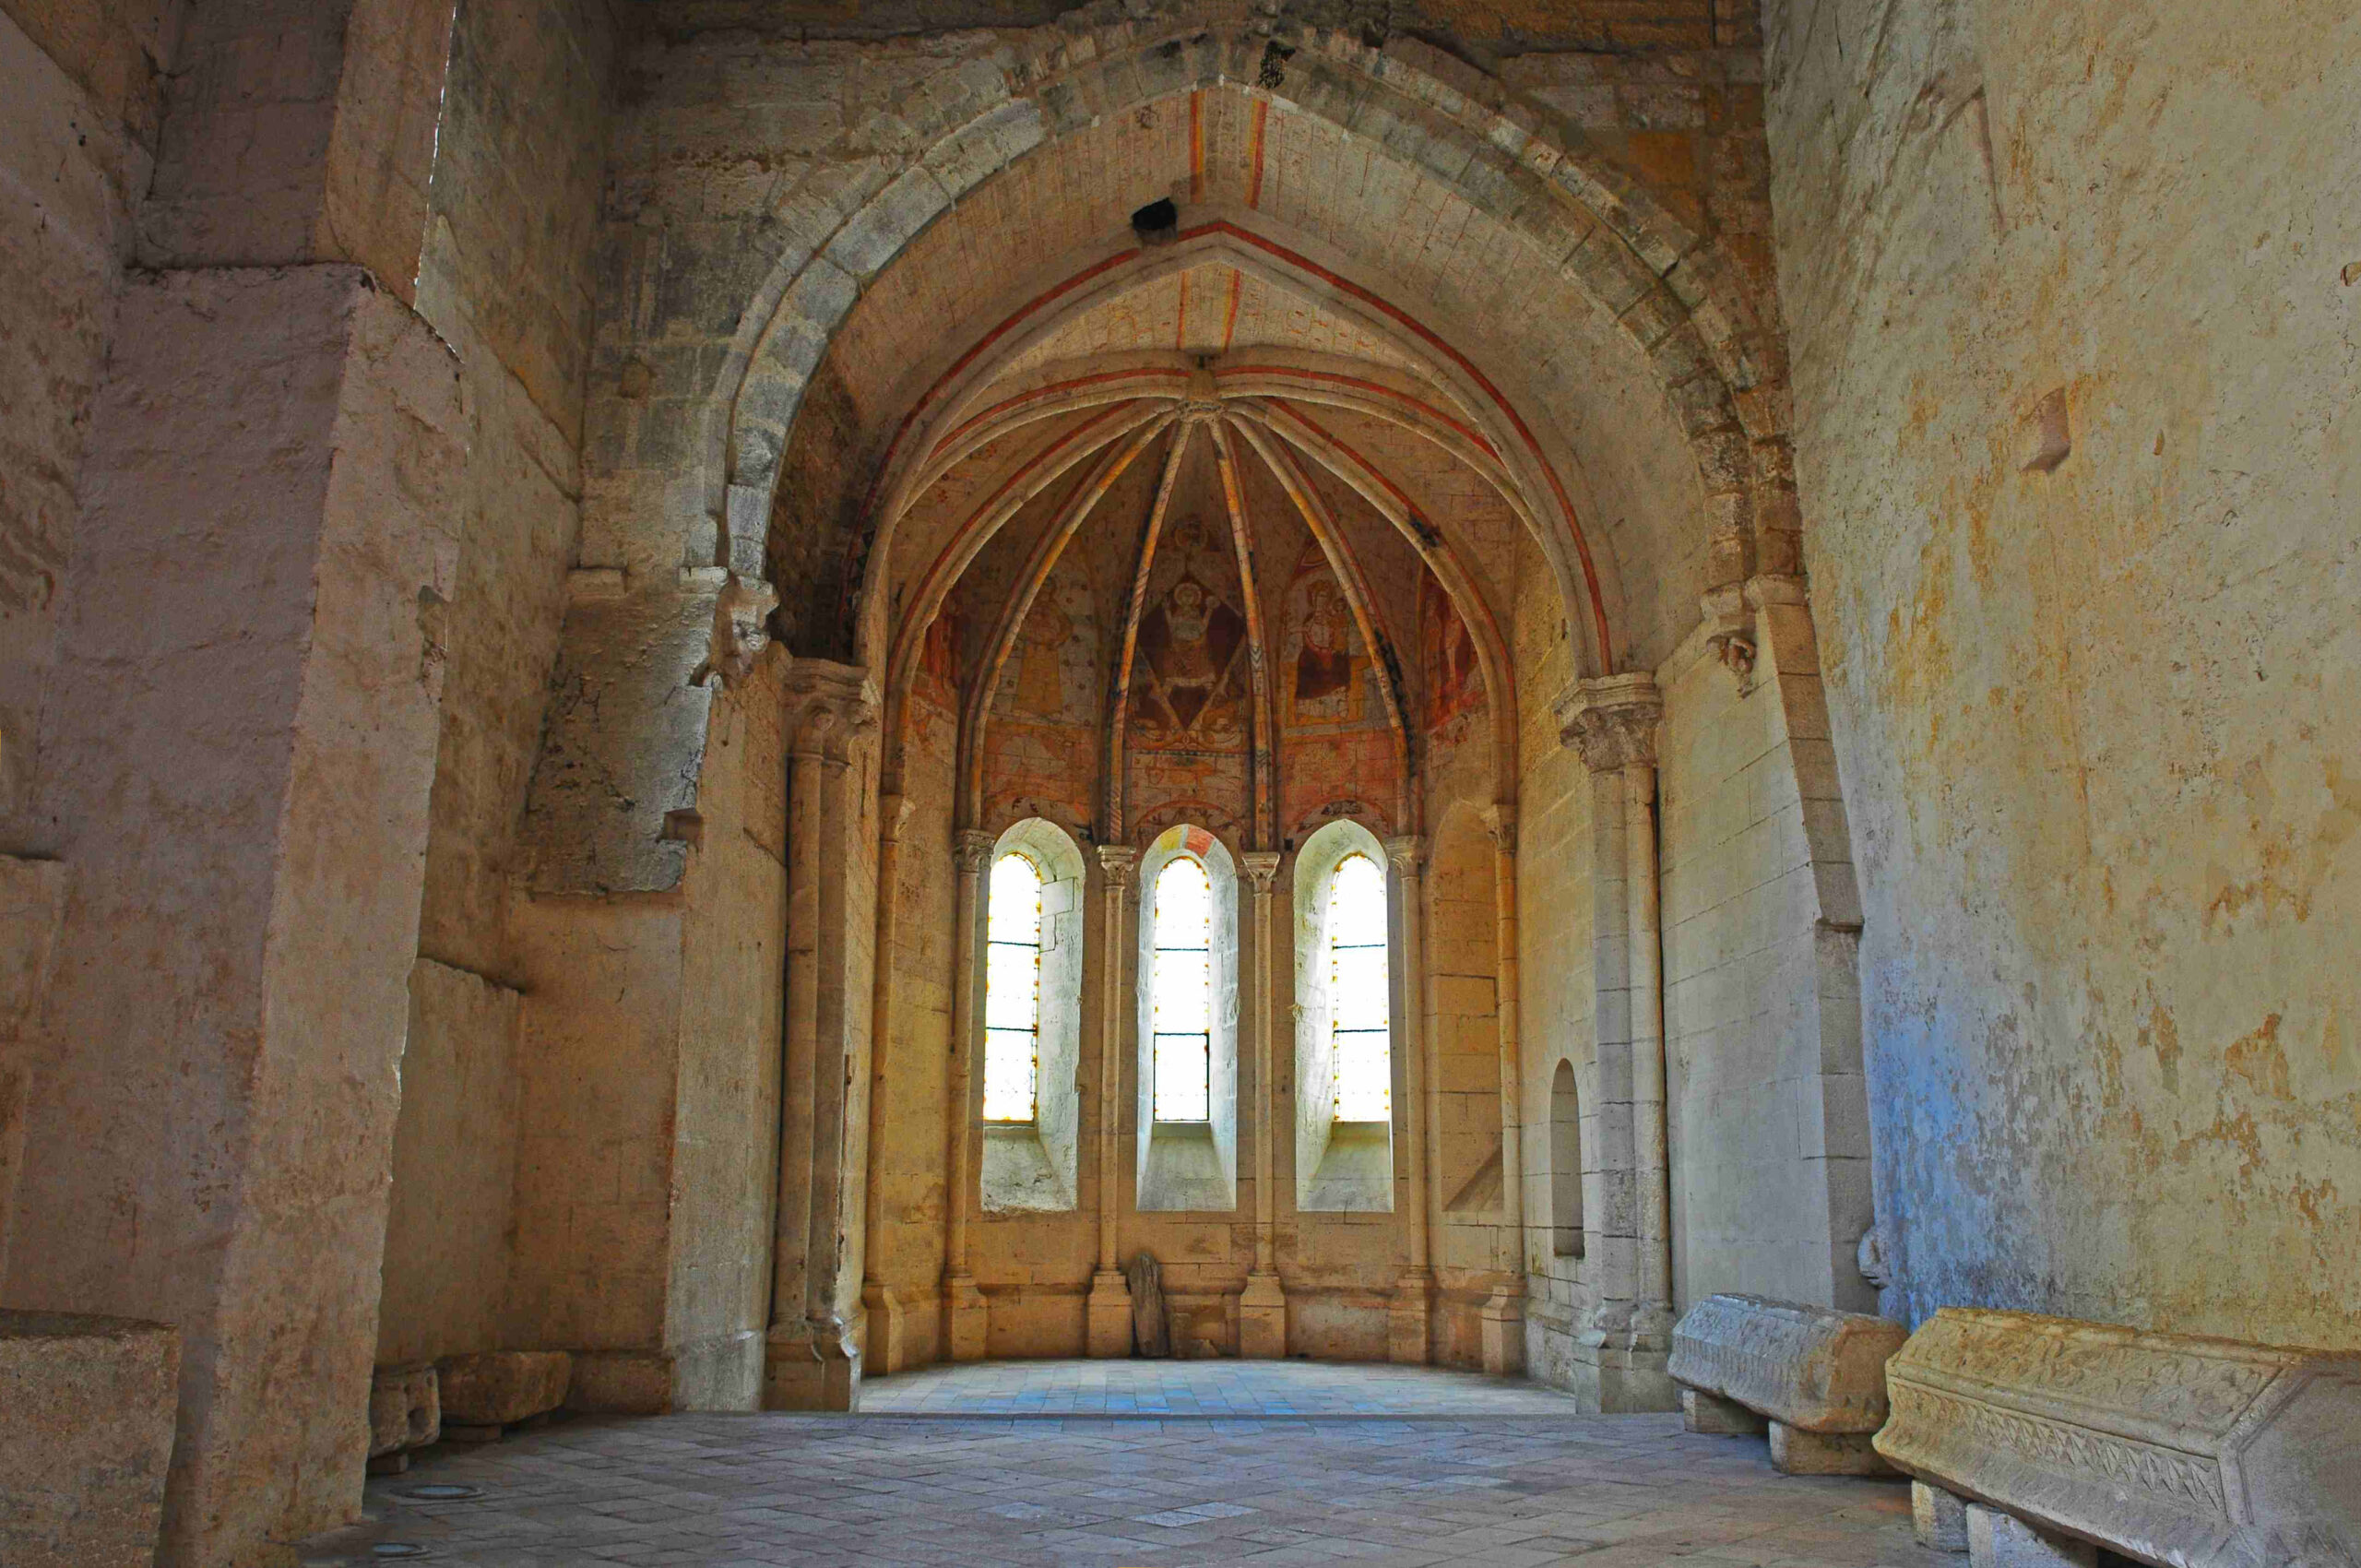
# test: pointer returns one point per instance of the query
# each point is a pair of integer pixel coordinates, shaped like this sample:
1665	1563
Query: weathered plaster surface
2097	723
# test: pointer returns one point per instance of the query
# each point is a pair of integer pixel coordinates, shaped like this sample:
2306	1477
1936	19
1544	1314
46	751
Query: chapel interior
713	706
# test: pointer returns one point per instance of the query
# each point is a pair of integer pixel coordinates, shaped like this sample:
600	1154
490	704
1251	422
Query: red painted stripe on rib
1052	390
1380	388
1230	317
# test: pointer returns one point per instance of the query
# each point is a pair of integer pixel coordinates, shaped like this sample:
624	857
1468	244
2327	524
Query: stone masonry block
1996	1540
405	1409
500	1387
90	1405
1938	1519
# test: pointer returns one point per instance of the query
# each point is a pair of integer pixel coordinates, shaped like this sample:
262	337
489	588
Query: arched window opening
1032	1029
1183	995
1188	1024
1345	1011
1360	1015
1565	1164
1012	992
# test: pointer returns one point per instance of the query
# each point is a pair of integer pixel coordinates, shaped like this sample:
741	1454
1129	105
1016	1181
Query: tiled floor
1495	1485
1203	1388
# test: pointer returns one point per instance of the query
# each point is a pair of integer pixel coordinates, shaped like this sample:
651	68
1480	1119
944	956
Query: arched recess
1671	291
622	748
1341	1166
1186	1164
1566	1234
1033	1163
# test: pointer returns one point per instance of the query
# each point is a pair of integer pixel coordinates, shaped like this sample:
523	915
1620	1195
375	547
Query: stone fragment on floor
1815	1375
486	1392
2205	1453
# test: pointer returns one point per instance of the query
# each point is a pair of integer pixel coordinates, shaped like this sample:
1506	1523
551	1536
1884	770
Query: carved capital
971	849
1404	851
1261	867
826	706
1611	720
1120	864
1499	823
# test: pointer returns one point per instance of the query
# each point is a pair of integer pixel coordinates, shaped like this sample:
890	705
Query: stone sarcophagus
1816	1376
2175	1450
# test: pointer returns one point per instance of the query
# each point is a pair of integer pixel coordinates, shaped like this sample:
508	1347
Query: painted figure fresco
1454	684
1325	668
1189	675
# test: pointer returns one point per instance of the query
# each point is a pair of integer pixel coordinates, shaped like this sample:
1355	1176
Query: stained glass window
1013	990
1359	1015
1183	993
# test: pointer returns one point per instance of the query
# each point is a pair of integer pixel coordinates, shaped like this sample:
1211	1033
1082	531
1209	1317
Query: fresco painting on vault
1192	652
1041	749
1454	685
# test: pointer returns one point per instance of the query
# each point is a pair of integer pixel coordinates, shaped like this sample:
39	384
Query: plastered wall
2096	709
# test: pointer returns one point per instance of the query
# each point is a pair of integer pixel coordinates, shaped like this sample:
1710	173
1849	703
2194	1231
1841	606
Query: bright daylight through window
1359	1021
1183	992
1012	992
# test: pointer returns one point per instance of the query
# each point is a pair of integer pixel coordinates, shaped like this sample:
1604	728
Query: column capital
1499	826
826	705
971	848
1404	851
1119	863
1261	866
1611	720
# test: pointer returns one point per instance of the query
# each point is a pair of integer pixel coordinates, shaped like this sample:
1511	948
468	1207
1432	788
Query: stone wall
2072	290
505	277
1768	1115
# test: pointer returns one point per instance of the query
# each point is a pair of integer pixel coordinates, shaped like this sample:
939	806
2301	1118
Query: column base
967	1320
1407	1318
1937	1519
1262	1319
886	1347
1794	1453
1109	1315
1617	1373
2002	1540
1716	1417
811	1367
1502	1316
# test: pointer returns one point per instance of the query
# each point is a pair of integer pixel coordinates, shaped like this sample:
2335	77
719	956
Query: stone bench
2036	1439
88	1405
1815	1377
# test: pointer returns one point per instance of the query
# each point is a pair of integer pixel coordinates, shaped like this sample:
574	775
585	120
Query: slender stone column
1408	1315
1110	1294
964	1319
812	1361
1263	1308
1611	720
1503	1314
886	1336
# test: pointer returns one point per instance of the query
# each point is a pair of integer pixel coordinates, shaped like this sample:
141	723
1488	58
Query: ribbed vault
1252	489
